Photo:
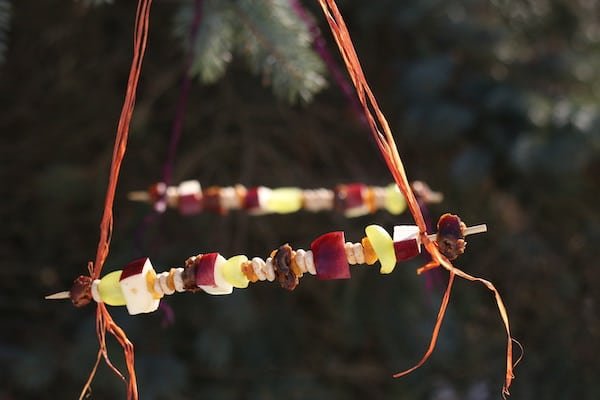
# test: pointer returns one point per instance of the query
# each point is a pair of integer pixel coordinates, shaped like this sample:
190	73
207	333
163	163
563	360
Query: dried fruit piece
81	293
296	269
150	284
212	200
170	279
450	237
249	271
157	191
370	256
282	265
188	275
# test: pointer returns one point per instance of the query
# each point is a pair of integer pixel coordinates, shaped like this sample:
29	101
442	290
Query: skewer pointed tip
471	230
139	196
59	296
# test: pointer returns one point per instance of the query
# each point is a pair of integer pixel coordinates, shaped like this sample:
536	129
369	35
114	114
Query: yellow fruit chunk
395	203
110	289
232	271
384	247
284	200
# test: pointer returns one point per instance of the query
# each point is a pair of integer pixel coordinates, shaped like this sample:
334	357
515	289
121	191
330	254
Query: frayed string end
436	329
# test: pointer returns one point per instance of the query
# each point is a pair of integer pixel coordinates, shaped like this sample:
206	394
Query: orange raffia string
382	134
104	321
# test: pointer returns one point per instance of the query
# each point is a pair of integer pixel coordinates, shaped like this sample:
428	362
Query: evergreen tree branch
214	42
277	44
267	33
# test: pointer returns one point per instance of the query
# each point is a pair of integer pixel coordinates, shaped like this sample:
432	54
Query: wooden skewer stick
139	196
435	198
424	191
59	296
472	230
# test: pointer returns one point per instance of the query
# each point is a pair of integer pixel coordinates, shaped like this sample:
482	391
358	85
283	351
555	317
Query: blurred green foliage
495	103
271	37
5	8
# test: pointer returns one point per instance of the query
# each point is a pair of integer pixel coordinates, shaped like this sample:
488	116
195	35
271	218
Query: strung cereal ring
353	200
140	288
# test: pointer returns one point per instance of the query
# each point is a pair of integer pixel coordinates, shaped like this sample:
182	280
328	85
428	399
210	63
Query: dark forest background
493	103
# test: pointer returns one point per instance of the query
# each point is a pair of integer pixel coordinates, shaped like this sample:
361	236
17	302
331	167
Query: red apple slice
406	242
351	199
133	268
255	200
330	256
190	204
406	249
212	265
205	269
190	197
